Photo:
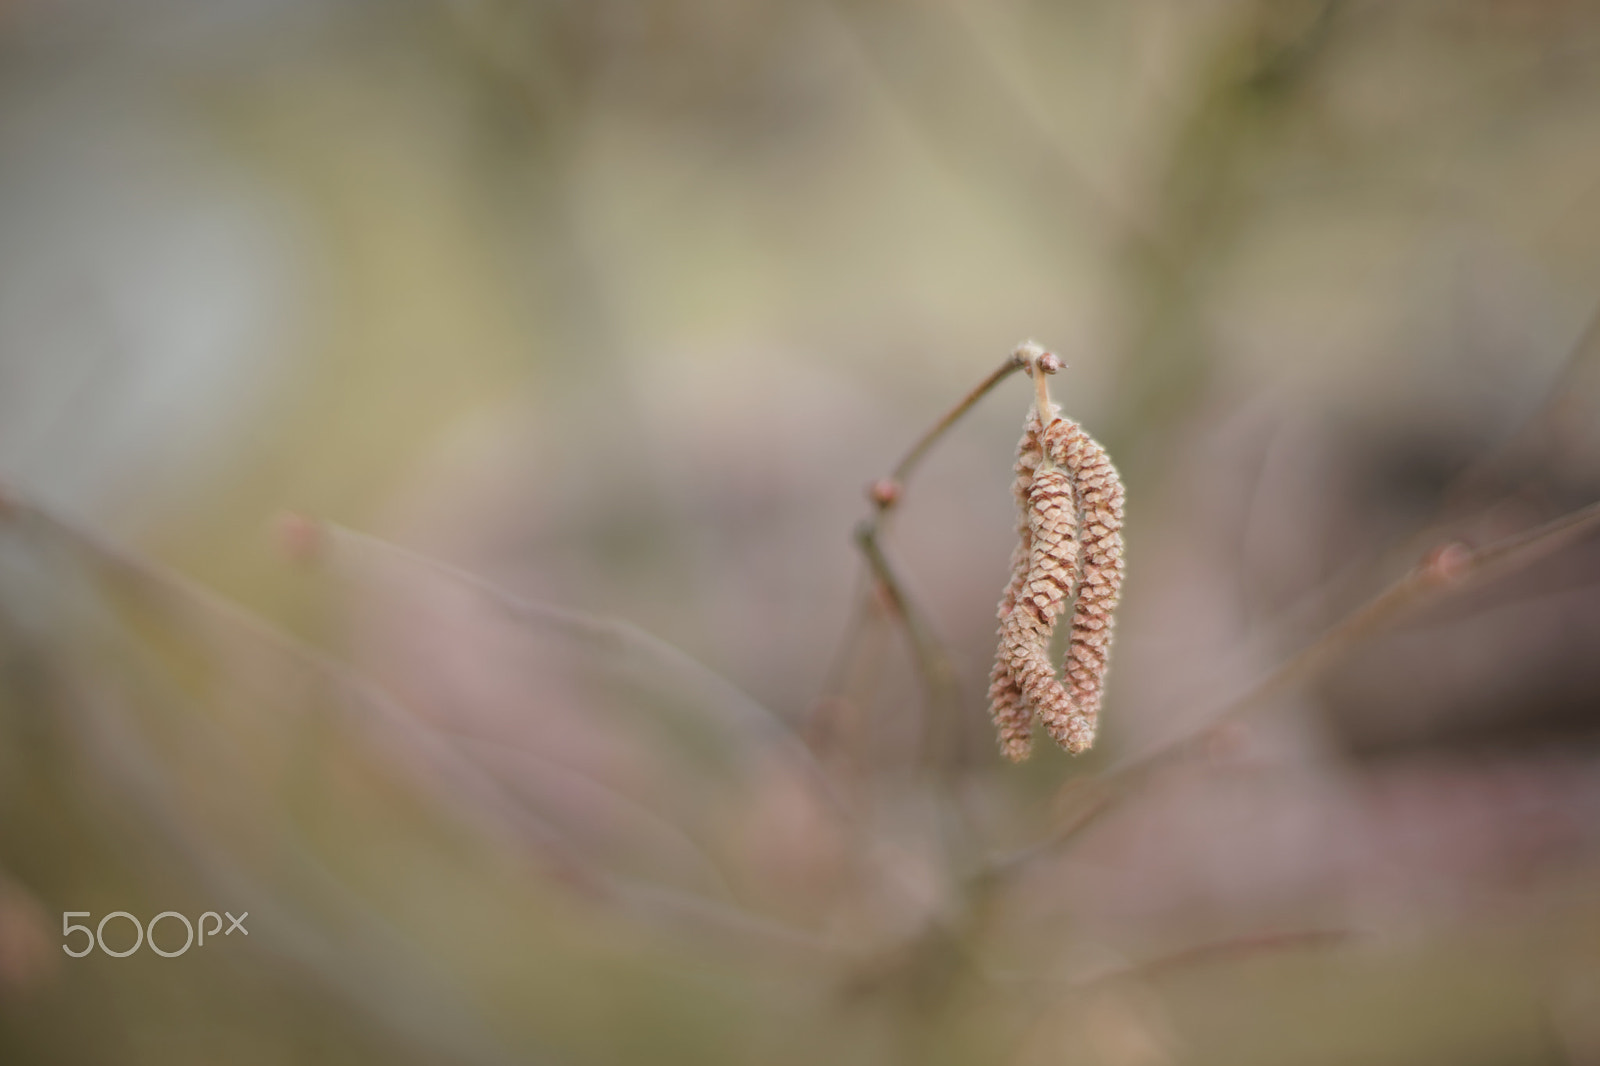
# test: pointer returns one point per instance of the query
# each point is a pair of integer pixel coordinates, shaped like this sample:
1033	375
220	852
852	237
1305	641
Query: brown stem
902	470
932	661
1041	389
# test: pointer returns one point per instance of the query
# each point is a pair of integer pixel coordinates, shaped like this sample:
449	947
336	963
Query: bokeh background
615	307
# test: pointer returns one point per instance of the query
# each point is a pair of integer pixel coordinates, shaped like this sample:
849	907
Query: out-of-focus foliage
617	306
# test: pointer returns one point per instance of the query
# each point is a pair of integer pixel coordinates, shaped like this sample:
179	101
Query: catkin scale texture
1010	711
1069	546
1100	498
1045	594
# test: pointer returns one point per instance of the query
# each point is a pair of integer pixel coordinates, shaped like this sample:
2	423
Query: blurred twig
1247	946
976	115
1557	412
696	912
637	639
1481	484
515	765
1449	570
716	690
885	495
909	462
933	662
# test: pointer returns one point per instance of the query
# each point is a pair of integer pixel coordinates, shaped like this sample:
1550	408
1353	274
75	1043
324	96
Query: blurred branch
1446	571
339	940
933	662
1233	949
648	644
979	119
511	765
1482	482
1241	96
616	635
1558	411
465	776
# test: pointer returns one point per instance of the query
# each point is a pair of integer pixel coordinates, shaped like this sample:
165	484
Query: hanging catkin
1099	498
1069	500
1044	595
1012	715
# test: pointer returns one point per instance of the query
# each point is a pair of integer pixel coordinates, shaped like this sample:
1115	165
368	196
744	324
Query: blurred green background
618	306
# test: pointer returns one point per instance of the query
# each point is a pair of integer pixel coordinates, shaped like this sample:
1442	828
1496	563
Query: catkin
1013	718
1045	594
1012	715
1099	497
1069	544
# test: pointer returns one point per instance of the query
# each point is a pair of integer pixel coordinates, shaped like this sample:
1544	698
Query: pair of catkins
1069	554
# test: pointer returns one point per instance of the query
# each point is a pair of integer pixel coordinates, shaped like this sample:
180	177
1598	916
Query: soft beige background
620	305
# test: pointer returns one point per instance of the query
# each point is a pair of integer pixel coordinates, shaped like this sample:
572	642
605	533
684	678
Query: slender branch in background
933	663
623	638
689	911
1478	486
976	114
1560	411
1232	949
1243	947
630	637
885	494
1448	570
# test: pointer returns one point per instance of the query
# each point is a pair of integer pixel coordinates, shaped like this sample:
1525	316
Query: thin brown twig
933	662
1448	571
1473	483
902	470
1247	946
941	750
1236	948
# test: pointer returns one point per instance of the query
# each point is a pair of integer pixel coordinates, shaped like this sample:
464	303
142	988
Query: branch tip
1447	563
884	492
300	537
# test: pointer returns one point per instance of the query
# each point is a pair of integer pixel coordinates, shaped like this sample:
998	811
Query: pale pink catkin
1069	544
1100	499
1013	717
1044	596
